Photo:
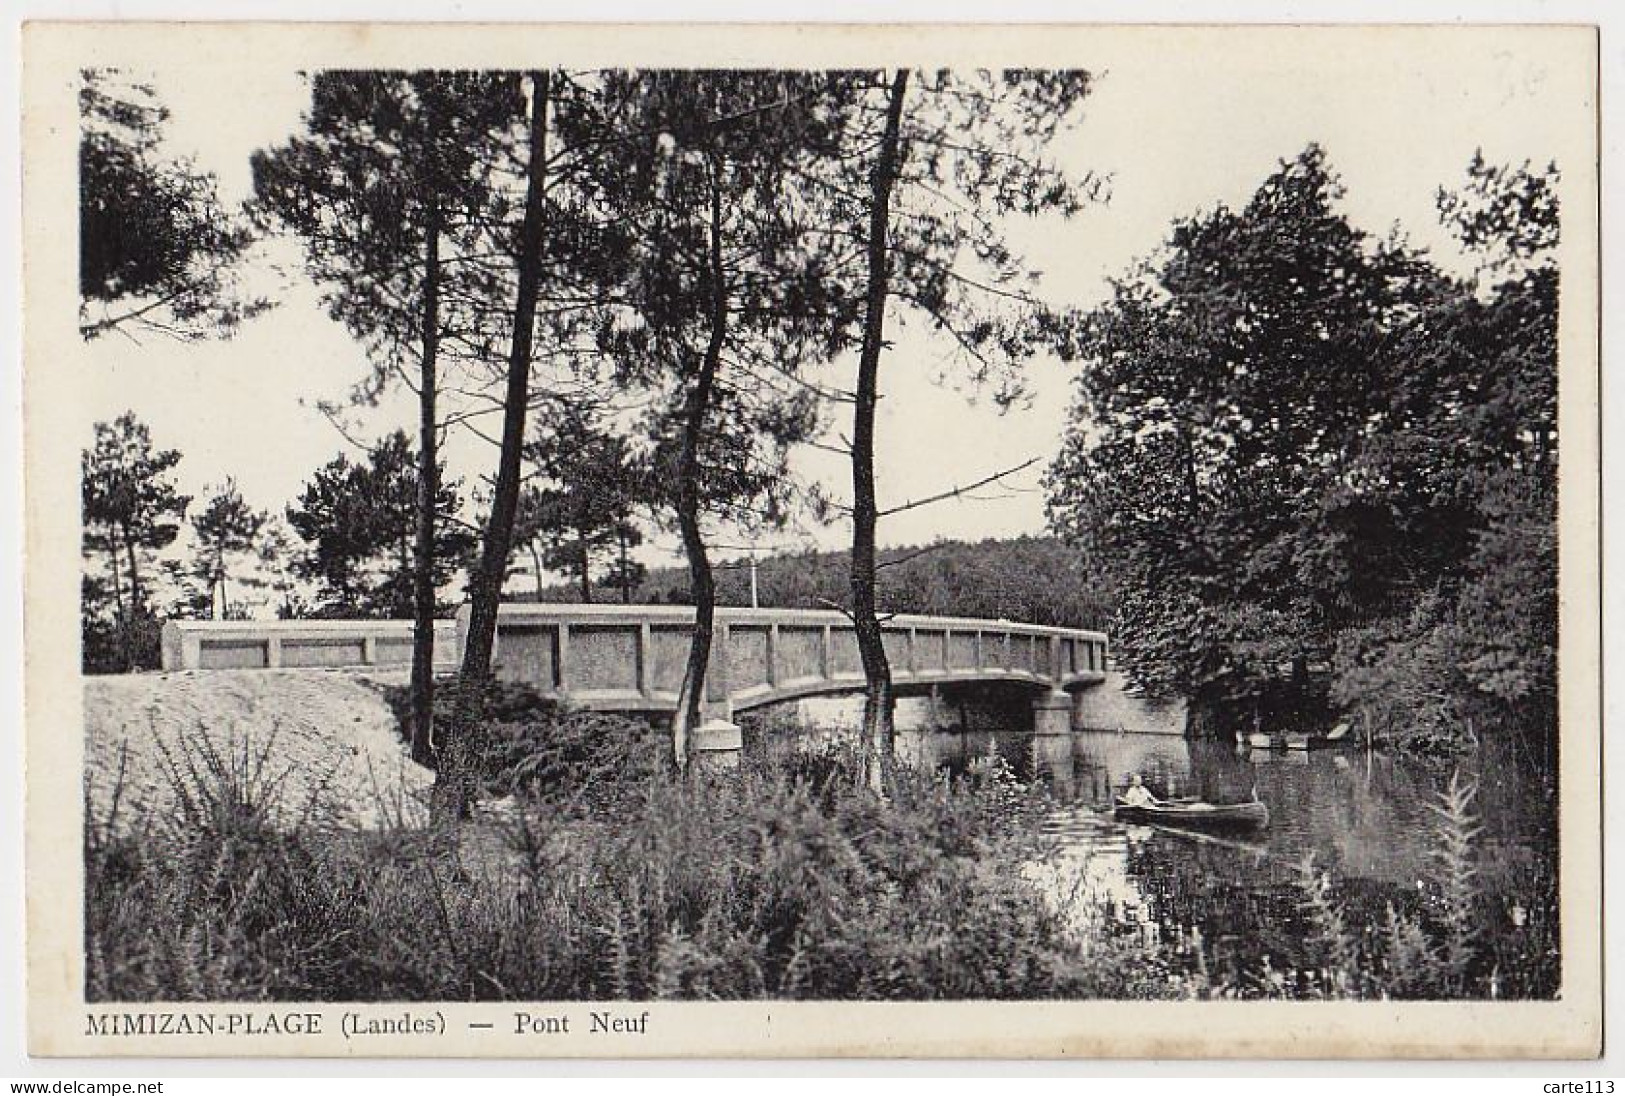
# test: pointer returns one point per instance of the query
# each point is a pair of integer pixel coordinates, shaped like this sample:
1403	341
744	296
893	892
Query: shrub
112	646
526	743
213	901
781	880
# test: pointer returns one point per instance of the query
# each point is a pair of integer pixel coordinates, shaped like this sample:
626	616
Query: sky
1177	124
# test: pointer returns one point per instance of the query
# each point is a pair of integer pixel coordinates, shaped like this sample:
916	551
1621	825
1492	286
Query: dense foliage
358	521
1295	447
157	250
535	746
782	880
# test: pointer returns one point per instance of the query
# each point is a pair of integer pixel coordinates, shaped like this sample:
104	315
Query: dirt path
326	740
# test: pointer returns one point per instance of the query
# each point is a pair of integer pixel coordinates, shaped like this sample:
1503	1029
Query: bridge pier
1052	713
1112	705
1052	757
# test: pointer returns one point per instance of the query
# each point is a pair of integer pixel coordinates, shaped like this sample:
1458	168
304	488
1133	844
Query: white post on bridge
1052	712
717	742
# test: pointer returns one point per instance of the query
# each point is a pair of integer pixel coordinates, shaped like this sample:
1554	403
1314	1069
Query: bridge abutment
1112	705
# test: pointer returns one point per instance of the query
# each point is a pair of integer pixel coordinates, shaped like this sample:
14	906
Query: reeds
1444	946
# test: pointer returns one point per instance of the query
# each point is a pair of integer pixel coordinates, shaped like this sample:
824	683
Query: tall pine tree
388	189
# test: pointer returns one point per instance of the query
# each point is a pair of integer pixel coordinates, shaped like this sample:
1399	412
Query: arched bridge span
629	658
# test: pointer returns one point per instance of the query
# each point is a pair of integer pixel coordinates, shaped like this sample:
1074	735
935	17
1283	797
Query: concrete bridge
631	658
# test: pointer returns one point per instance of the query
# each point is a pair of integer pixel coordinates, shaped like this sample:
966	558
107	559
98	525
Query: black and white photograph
550	542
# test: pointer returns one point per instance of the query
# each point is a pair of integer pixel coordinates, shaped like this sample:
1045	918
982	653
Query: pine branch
916	554
958	491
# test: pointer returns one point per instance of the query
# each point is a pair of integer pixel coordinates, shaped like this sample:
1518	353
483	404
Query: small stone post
716	745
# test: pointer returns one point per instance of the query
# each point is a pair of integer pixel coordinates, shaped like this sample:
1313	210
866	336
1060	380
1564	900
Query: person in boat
1137	794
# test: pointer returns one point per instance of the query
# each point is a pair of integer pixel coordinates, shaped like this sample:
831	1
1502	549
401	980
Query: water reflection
1364	814
1365	819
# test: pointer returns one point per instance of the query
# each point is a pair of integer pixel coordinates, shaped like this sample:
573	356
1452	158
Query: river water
1366	818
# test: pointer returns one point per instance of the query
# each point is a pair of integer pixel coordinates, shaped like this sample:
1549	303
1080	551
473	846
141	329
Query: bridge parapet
632	657
299	644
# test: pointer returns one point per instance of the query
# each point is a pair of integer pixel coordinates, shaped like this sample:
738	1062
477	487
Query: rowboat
1198	815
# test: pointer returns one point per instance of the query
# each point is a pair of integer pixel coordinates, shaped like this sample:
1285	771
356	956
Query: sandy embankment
327	739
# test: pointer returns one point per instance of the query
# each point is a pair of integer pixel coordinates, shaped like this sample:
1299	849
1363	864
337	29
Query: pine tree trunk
135	577
486	588
583	567
428	490
220	584
401	607
626	575
118	578
453	782
878	729
133	622
121	619
691	698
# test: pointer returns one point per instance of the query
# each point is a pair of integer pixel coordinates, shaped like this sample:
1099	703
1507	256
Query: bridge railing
633	657
273	644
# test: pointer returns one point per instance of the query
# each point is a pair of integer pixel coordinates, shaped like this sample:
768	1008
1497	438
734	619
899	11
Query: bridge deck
632	657
300	644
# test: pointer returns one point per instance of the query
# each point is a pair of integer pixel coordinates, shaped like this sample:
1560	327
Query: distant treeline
1039	580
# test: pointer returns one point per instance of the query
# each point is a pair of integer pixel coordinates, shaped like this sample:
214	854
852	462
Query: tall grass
606	881
211	894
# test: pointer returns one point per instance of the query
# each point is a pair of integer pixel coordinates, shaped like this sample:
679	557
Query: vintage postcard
645	541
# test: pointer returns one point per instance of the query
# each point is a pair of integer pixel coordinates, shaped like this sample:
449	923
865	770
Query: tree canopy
130	509
226	529
157	249
358	522
592	486
1297	445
